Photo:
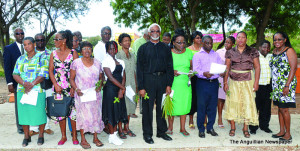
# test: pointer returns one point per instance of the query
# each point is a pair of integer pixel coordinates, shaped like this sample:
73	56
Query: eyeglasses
19	33
152	31
86	48
180	43
106	34
58	39
40	40
278	40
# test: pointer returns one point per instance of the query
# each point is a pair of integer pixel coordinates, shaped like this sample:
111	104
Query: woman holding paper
85	73
196	38
182	62
30	70
114	107
242	85
130	70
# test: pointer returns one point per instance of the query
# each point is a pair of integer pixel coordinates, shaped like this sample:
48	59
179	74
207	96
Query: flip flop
185	133
169	132
98	143
221	126
192	126
85	146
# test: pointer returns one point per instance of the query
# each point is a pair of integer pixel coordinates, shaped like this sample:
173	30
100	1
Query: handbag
46	84
59	107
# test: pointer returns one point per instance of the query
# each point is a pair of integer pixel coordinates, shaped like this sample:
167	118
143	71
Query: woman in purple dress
85	73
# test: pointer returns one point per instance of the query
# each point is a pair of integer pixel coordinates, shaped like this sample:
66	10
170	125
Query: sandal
98	143
169	132
130	133
26	141
232	132
122	135
192	126
85	145
185	133
246	134
40	141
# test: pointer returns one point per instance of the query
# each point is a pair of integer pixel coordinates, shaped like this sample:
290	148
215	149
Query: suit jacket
10	56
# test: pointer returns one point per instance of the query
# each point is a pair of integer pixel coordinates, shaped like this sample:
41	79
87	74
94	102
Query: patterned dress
88	114
62	75
29	70
280	71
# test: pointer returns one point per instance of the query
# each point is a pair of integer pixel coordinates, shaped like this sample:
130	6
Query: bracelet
286	86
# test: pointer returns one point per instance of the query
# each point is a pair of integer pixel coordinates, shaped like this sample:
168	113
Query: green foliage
168	107
93	40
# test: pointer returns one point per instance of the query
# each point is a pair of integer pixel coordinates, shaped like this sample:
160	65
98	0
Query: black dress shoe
20	131
212	132
277	136
282	139
149	140
201	134
267	130
253	132
165	137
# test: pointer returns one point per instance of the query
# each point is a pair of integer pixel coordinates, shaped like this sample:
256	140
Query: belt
157	73
209	80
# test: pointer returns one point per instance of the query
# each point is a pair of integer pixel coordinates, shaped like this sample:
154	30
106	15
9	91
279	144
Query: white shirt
110	63
20	47
100	51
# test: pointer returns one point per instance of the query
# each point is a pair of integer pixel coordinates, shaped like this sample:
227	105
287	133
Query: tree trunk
172	14
224	34
262	26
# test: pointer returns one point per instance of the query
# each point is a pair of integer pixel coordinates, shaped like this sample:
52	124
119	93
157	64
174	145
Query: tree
142	13
275	15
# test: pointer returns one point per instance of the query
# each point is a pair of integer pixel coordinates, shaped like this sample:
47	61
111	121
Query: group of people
151	68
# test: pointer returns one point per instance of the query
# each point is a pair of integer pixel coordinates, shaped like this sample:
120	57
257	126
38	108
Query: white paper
30	98
217	68
164	97
130	93
89	95
184	73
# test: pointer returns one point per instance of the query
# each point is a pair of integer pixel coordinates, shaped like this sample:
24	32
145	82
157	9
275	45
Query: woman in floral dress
59	72
85	73
283	66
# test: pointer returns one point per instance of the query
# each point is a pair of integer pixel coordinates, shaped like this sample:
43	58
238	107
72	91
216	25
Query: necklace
280	50
177	50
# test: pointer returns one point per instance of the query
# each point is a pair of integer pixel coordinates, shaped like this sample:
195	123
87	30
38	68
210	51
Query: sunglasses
20	33
57	39
40	40
152	31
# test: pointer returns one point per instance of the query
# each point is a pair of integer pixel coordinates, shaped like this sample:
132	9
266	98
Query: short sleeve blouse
242	62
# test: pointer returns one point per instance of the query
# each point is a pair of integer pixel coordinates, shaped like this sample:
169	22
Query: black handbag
46	84
59	107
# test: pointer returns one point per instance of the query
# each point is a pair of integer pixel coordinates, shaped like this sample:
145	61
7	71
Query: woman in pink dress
85	73
230	41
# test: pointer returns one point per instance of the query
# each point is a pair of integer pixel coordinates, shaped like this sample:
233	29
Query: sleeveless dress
280	69
182	98
113	113
62	75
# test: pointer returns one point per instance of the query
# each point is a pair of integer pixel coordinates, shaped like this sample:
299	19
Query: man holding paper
206	86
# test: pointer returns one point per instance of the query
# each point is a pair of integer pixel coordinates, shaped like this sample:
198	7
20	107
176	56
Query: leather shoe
149	140
267	130
165	137
20	131
252	132
201	134
212	132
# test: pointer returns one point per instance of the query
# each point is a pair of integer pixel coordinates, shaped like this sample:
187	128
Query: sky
99	15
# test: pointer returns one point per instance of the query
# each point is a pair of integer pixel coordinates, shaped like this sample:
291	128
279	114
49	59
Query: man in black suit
11	53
